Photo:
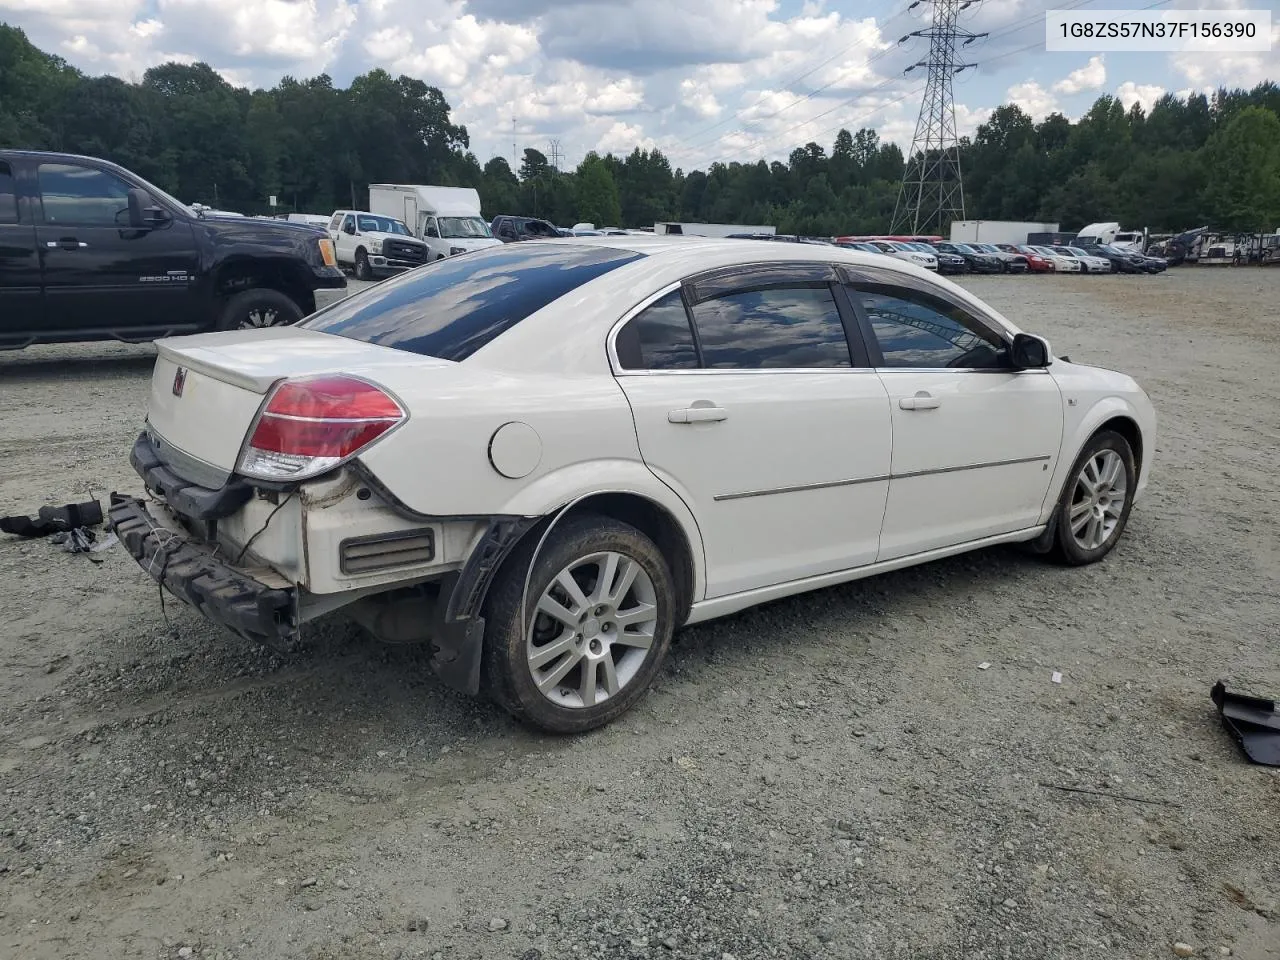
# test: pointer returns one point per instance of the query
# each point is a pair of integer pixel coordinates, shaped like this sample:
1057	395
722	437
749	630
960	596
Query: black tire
363	270
259	307
1066	547
506	673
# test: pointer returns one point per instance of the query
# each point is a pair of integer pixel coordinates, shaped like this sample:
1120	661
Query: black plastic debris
54	520
1253	721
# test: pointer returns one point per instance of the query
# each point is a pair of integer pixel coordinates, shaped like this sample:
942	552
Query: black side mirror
349	229
432	232
1029	352
143	211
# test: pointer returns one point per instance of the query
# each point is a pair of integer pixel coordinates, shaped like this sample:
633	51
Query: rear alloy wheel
257	308
1095	504
363	270
597	623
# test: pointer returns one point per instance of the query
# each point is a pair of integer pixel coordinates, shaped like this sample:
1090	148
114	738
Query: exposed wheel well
650	519
1128	429
236	276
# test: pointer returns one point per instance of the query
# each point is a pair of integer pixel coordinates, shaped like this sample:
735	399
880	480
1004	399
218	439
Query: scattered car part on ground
51	520
1253	721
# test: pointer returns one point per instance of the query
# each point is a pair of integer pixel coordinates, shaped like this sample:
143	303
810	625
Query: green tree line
316	147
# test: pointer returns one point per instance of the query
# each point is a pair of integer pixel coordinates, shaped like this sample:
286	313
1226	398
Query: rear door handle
700	412
923	400
66	243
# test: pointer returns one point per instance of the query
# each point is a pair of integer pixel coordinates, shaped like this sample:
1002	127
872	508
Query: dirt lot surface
829	776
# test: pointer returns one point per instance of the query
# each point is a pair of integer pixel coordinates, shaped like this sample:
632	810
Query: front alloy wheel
1095	505
592	631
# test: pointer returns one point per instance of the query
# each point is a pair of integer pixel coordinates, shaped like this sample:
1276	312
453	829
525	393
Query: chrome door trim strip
826	484
821	485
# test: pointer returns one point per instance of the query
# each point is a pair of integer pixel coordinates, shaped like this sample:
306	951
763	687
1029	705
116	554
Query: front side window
464	228
453	307
8	195
348	223
370	223
795	326
81	196
658	338
916	329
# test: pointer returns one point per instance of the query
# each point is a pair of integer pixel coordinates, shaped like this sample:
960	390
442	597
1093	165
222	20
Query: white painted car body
778	480
376	238
1091	263
1061	262
902	251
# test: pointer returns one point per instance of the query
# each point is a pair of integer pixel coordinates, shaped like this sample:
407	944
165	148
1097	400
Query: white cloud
1089	77
1146	94
622	138
1033	99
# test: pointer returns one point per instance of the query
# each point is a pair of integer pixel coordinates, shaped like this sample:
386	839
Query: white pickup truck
371	245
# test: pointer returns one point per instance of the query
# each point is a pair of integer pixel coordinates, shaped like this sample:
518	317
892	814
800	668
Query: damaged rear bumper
191	571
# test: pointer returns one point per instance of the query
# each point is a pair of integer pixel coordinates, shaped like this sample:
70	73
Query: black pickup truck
89	251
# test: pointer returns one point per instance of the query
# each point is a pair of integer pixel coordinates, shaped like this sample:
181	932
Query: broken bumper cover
189	570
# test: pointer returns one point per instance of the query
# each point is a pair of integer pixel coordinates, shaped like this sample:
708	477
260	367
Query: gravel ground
827	776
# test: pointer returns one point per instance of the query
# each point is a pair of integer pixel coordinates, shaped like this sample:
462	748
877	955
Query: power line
787	85
932	191
1004	32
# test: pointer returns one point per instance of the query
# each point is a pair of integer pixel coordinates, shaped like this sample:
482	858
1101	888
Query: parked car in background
1156	264
975	260
319	220
1090	262
514	229
862	245
1036	263
947	262
542	520
904	251
1105	259
90	251
1011	262
372	246
1061	262
446	219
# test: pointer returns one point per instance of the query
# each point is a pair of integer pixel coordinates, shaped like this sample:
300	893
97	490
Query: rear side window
658	338
777	327
453	307
336	222
8	195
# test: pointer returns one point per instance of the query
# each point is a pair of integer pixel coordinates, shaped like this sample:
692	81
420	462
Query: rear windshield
453	307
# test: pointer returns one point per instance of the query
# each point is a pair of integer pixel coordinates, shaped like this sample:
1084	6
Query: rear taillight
311	425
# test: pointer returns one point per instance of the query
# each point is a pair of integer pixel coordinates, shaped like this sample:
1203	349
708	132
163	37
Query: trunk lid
207	389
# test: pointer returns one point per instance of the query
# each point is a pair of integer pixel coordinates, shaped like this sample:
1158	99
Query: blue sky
713	80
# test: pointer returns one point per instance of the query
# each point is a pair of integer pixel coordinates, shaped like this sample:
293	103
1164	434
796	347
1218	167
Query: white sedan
545	457
1061	262
908	252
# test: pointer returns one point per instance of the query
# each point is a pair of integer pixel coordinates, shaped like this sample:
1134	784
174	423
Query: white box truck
997	231
710	229
446	219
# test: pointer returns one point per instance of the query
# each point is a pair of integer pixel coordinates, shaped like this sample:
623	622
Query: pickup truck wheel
363	270
597	624
1096	500
258	308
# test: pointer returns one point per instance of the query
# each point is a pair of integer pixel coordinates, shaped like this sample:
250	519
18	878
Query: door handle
923	400
699	412
66	243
